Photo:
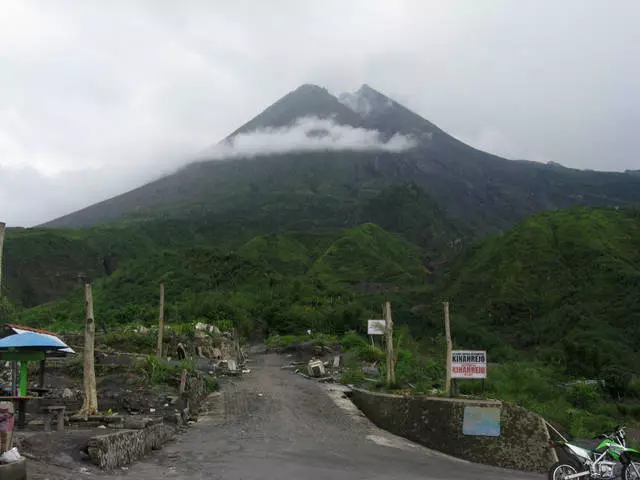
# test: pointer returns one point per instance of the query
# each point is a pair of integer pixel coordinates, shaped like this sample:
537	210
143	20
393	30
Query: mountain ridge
486	191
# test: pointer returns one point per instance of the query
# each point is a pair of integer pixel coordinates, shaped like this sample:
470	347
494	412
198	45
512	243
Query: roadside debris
315	368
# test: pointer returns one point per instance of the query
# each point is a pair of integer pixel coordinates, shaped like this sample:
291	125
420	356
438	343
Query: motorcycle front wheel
561	469
631	473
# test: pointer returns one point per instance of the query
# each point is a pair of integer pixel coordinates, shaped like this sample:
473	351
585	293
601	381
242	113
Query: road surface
273	424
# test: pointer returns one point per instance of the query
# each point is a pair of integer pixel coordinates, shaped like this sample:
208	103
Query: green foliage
210	383
617	380
162	372
421	371
369	353
564	284
584	396
132	342
8	312
351	340
352	376
370	254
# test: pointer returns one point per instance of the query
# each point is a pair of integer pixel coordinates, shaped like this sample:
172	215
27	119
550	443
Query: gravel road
274	424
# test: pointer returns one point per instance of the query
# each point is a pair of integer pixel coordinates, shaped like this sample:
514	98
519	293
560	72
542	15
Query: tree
90	403
616	380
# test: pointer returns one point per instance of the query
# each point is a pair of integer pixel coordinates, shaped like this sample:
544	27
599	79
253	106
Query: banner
468	364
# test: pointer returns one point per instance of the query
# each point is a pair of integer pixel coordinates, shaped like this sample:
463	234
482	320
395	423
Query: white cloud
29	196
308	134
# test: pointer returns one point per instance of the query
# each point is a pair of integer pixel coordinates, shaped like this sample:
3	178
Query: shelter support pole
42	369
14	378
24	366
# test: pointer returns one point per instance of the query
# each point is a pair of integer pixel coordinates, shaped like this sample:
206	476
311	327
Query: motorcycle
606	459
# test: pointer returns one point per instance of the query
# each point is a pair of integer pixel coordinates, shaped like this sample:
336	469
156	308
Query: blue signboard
483	421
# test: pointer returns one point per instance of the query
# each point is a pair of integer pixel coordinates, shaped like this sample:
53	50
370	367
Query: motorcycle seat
586	443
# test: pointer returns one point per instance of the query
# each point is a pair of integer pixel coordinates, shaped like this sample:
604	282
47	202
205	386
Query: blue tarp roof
32	341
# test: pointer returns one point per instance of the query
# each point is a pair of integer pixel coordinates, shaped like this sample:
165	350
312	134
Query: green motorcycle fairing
615	449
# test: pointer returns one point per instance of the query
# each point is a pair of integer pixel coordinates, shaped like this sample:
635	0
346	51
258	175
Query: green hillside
564	285
369	254
285	283
42	265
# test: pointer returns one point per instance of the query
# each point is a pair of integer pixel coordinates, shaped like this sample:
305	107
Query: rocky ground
274	424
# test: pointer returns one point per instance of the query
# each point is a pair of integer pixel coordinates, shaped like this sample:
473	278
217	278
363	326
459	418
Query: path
274	424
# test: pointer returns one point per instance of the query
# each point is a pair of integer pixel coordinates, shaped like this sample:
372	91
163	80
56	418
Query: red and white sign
468	364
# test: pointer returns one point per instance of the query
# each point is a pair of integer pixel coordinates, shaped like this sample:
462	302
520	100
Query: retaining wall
437	423
121	448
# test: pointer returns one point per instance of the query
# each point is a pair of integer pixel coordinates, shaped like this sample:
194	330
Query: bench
56	412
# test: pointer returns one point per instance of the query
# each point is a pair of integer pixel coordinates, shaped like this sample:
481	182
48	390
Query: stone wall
121	448
437	423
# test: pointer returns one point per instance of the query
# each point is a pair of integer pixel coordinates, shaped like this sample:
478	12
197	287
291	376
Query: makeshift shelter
23	345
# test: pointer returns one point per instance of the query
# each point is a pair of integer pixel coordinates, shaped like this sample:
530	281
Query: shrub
162	372
352	376
369	353
129	342
210	383
352	340
584	396
616	380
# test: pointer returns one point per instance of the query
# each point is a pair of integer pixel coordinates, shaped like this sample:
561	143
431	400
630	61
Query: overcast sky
97	97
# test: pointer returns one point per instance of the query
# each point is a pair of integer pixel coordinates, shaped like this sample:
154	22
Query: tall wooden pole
90	403
160	322
2	227
447	330
388	332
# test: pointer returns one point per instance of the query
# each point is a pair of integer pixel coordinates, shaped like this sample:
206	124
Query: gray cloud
132	89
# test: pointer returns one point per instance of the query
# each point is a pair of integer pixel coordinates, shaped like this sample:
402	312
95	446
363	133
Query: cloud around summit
308	134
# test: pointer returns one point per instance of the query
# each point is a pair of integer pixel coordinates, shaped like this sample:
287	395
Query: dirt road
273	424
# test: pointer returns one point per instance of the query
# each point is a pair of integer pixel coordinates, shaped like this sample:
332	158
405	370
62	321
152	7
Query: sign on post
376	327
469	364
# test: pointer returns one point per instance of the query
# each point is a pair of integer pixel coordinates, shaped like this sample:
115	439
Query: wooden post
90	403
2	228
160	322
447	330
183	381
388	331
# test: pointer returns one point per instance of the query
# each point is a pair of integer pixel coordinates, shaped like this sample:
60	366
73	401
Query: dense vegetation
564	286
555	300
277	283
44	264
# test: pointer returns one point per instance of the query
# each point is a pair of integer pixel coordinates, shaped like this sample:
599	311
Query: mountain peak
310	88
366	101
307	100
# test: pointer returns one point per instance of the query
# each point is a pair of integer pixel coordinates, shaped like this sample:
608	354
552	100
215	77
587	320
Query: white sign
376	327
468	364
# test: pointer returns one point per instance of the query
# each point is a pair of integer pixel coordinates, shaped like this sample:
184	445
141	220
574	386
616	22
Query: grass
162	372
